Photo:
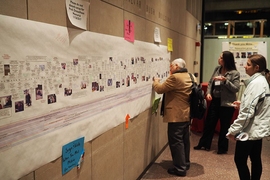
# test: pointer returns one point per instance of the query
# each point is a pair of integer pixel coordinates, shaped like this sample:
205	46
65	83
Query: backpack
197	101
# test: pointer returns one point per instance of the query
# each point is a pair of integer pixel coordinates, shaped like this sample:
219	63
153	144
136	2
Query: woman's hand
220	78
230	136
208	97
236	104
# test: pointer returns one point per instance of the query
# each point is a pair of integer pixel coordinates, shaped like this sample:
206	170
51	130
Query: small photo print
6	102
42	67
83	85
243	55
19	106
237	55
7	69
109	82
143	59
28	100
117	84
143	78
95	86
63	65
101	88
135	80
128	81
67	91
51	98
39	93
75	61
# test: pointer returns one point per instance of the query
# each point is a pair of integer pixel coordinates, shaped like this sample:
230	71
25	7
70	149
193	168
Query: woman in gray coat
221	91
253	119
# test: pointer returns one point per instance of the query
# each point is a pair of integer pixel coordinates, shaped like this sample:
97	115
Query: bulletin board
242	51
58	84
214	47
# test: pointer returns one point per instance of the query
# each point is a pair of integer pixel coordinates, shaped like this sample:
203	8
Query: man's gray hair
180	62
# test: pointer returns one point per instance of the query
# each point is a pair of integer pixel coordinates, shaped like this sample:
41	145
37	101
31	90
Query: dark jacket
229	88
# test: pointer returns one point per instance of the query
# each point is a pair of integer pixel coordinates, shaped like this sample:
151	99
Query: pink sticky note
129	30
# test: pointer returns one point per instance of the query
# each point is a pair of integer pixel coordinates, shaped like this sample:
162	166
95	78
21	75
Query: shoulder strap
191	77
261	99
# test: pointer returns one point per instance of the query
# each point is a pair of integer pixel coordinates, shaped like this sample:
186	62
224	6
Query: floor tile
206	165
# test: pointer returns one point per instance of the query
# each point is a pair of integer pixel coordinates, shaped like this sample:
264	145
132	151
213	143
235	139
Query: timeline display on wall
58	84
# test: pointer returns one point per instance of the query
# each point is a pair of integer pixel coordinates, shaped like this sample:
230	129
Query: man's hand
156	79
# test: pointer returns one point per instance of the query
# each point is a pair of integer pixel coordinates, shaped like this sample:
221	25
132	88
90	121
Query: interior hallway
206	165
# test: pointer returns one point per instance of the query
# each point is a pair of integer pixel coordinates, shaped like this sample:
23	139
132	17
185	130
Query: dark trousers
215	113
179	142
252	149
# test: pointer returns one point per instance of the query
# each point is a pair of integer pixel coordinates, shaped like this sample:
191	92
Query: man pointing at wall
176	112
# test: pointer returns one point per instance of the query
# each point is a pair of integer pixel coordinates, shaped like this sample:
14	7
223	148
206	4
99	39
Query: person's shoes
201	148
174	171
197	147
221	152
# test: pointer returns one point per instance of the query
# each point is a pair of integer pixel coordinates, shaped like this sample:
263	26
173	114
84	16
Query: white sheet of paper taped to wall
77	11
157	35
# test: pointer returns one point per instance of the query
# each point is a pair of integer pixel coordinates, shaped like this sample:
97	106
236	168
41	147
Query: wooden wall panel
105	18
117	3
14	8
49	11
135	7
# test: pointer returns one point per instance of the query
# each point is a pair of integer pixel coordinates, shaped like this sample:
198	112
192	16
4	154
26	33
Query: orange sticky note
127	118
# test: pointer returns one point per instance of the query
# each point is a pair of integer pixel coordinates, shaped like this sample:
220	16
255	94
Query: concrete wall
119	153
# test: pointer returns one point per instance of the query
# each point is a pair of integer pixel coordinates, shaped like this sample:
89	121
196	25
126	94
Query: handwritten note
157	35
77	11
71	154
129	30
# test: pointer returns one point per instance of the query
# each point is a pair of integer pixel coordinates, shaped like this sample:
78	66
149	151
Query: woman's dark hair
260	60
228	59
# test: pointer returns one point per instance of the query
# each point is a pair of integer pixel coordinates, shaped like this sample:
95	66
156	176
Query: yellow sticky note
170	44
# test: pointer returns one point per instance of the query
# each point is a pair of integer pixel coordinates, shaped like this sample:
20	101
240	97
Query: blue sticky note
71	154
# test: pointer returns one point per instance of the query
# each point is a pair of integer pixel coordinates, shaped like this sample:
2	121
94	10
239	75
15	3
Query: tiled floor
206	165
